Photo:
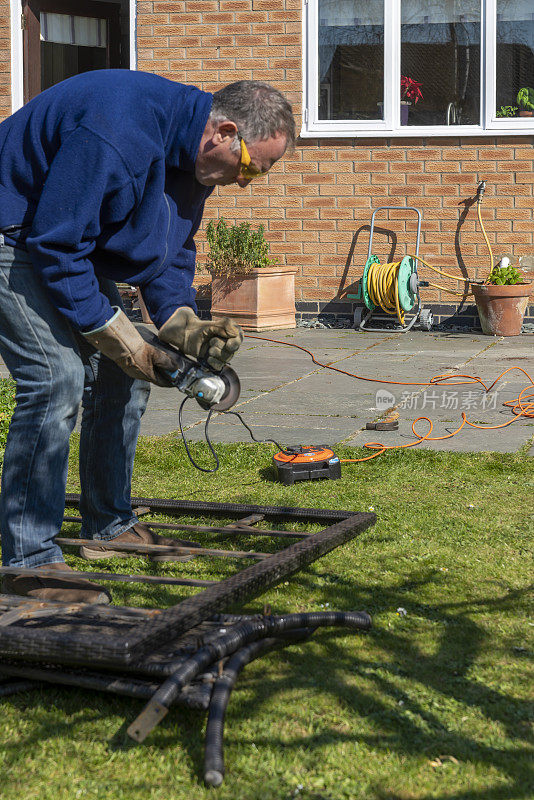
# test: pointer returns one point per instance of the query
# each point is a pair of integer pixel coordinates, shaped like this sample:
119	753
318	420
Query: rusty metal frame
119	637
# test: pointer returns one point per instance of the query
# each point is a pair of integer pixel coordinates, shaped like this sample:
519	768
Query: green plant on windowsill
236	249
507	111
504	276
525	101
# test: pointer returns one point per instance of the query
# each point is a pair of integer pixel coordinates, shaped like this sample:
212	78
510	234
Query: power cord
208	440
521	406
259	441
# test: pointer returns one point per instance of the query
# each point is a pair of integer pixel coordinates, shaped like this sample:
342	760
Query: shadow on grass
406	724
268	474
75	709
395	718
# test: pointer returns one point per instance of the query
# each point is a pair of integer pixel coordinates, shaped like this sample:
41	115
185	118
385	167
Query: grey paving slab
298	429
287	397
163	399
161	422
506	441
323	392
447	417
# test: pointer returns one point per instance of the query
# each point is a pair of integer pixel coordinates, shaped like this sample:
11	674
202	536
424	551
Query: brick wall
5	60
316	204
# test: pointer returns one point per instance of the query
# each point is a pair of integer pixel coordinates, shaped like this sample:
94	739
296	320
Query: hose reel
388	289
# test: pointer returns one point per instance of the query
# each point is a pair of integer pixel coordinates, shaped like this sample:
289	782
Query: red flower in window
410	89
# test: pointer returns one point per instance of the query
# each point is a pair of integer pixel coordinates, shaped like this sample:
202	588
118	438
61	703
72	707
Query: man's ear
224	130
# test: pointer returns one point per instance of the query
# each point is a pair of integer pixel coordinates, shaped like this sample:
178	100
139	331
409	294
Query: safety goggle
245	169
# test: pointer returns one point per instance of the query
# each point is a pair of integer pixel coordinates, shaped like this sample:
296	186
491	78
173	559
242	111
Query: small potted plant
525	101
410	93
247	284
502	300
507	111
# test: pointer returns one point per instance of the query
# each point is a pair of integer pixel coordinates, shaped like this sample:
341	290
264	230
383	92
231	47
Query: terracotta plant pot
524	113
260	300
501	308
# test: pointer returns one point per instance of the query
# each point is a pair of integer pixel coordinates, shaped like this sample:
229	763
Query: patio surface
286	397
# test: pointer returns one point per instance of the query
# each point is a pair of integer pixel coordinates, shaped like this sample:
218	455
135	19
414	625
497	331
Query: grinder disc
232	391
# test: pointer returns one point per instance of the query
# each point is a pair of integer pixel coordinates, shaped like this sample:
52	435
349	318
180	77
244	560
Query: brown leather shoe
59	590
137	534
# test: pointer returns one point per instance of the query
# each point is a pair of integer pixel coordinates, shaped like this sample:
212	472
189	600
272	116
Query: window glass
69	45
515	58
70	29
440	62
351	59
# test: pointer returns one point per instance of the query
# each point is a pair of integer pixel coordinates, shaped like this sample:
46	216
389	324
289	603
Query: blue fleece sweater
100	168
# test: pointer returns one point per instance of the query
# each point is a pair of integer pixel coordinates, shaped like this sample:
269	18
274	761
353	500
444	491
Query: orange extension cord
522	406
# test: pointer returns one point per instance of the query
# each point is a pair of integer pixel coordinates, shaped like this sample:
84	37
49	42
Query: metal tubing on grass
165	506
160	549
232	529
105	576
229	642
99	682
222	689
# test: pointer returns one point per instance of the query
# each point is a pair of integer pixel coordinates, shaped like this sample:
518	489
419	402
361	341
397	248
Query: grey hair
258	109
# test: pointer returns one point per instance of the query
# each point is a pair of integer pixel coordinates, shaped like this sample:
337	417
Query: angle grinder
212	389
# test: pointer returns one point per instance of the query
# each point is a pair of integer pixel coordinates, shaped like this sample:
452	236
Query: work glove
120	341
213	341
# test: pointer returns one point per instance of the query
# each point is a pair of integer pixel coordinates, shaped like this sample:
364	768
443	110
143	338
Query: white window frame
17	59
313	127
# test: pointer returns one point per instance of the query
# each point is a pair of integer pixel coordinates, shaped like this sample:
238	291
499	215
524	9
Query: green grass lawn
435	702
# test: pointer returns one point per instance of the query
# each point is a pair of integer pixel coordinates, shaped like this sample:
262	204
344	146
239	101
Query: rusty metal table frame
136	635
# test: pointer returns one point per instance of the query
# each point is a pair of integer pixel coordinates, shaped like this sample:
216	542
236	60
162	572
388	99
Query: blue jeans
55	369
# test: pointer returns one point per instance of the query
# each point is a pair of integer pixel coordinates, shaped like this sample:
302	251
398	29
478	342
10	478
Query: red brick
185	41
387	178
494	154
170	7
218	18
424	153
441	166
317	179
167	30
234	5
281	38
408	167
254	17
185	18
389	154
459	153
218	41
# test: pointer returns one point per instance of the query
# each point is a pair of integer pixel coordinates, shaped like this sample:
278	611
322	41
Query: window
440	47
351	59
65	37
418	67
514	57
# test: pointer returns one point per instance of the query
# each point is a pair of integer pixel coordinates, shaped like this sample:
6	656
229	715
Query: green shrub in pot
525	99
504	276
236	249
